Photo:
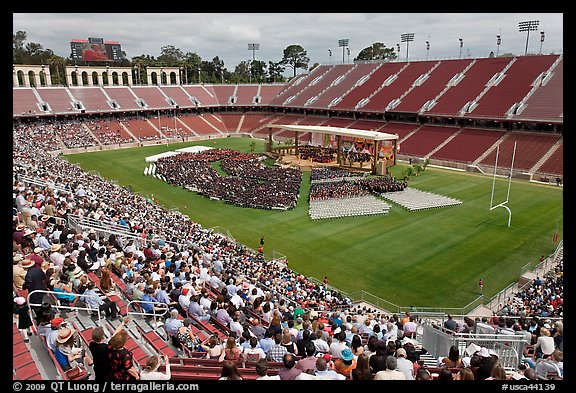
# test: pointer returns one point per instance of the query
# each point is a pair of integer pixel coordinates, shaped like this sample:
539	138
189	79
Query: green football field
431	258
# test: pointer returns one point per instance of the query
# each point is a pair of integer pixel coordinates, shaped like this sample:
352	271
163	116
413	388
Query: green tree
275	71
377	51
18	41
258	70
170	56
242	72
55	63
295	57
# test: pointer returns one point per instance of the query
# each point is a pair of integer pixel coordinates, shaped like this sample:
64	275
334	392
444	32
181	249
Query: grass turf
431	258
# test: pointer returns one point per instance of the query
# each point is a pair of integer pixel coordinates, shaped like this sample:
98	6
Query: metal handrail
162	305
89	309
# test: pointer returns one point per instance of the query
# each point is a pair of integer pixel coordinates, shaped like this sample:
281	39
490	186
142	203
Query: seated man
96	302
151	308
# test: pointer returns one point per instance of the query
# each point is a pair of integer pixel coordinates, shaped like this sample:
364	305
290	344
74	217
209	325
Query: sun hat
20	227
45	217
55	247
38	250
19	300
484	352
347	355
400	352
18	257
27	263
65	334
28	232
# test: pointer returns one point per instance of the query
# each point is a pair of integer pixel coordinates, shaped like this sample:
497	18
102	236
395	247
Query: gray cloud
227	35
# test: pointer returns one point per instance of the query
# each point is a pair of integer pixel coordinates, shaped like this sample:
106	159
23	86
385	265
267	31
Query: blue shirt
163	297
266	344
147	306
172	325
93	299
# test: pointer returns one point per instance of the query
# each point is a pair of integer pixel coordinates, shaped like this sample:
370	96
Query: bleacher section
296	85
24	102
432	86
93	99
225	94
342	85
368	87
426	139
401	129
58	99
554	165
468	145
322	82
198	124
247	95
203	94
269	91
142	129
513	87
152	96
472	84
547	102
123	96
179	95
394	90
530	147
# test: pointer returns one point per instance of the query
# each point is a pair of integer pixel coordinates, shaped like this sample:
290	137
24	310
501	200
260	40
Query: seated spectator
231	351
64	291
172	325
404	365
94	301
289	372
149	371
254	353
362	370
262	371
453	359
423	375
212	346
230	372
325	371
544	344
390	373
186	337
276	351
67	353
345	363
445	374
465	374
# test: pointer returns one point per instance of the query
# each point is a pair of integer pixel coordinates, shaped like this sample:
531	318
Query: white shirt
336	348
406	367
156	375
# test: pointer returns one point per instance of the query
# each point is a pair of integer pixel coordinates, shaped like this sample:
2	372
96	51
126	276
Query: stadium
353	200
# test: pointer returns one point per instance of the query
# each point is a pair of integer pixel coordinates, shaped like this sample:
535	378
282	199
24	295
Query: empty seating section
109	132
24	101
204	94
252	121
350	100
152	96
245	94
554	165
321	84
514	87
287	119
337	122
297	84
231	121
432	86
215	121
58	99
405	79
268	92
142	129
92	98
178	94
123	96
425	140
197	124
344	85
547	102
471	85
400	129
529	150
224	93
468	145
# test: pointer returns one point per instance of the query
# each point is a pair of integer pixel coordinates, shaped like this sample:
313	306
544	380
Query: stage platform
307	165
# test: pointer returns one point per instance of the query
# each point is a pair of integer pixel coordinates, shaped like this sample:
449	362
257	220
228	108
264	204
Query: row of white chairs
347	207
414	199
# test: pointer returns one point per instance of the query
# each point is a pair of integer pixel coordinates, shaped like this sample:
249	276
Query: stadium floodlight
407	38
343	43
330	54
398	50
541	40
427	49
528	26
253	47
498	42
461	45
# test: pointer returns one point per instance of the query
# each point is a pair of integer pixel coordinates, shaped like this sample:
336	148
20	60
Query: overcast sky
228	35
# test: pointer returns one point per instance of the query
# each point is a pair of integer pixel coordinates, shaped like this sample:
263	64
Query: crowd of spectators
317	153
177	262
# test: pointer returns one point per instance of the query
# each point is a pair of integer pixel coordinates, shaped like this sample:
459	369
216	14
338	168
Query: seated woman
186	337
67	353
212	347
453	360
231	351
64	288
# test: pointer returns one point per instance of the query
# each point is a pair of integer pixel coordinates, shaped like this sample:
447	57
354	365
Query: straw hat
64	334
28	231
55	247
18	257
20	227
27	263
38	250
45	217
